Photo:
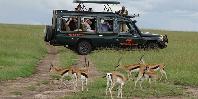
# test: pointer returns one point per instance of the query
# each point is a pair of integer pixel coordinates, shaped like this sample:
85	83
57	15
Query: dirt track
39	85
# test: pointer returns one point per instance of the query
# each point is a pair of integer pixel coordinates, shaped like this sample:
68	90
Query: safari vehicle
104	30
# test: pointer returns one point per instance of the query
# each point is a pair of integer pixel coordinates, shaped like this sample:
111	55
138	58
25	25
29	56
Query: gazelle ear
88	64
51	65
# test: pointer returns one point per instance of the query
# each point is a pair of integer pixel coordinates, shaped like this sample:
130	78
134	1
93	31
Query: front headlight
161	38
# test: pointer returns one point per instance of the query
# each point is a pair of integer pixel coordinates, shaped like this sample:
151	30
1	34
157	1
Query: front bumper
163	43
165	38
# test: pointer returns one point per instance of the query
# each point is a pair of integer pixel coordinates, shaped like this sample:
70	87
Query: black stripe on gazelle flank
135	68
157	66
64	72
84	74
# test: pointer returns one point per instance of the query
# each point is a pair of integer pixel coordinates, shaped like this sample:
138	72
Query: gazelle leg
110	89
75	82
141	83
82	85
86	80
121	91
139	77
107	87
61	82
150	81
165	74
129	75
161	75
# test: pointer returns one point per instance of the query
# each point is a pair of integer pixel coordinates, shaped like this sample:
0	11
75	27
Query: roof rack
97	2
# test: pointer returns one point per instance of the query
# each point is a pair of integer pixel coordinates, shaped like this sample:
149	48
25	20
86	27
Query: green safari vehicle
85	31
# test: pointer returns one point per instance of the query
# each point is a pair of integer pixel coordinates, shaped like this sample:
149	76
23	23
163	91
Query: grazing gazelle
75	72
115	78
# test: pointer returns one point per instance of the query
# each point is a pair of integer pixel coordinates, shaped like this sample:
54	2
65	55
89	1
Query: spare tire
48	33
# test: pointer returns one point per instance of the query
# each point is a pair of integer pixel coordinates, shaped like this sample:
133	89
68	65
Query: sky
179	15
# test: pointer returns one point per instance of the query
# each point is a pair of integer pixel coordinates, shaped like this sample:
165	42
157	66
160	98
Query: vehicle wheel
84	47
153	45
48	33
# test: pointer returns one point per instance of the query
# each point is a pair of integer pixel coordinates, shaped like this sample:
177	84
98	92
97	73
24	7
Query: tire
48	33
84	47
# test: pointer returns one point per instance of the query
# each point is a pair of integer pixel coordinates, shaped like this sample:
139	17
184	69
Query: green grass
180	58
66	57
21	47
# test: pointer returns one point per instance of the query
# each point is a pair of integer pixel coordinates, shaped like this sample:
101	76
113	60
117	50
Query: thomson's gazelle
65	72
115	78
156	67
146	74
75	72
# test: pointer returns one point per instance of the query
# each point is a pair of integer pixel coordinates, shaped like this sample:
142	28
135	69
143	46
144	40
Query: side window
69	23
127	27
88	24
124	26
106	25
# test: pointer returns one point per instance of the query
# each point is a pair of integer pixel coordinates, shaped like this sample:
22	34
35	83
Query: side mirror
134	21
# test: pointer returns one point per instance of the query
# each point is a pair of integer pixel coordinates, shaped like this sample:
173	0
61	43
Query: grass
66	57
21	47
180	58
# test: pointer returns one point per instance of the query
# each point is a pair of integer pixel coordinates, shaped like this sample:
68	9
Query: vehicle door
128	34
106	31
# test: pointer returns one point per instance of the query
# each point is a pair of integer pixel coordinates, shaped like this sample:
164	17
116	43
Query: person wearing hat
123	12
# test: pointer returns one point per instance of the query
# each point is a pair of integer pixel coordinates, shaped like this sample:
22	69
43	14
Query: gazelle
115	78
131	67
155	67
75	72
146	74
65	72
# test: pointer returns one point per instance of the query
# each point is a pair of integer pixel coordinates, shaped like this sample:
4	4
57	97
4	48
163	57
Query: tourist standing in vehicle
123	12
